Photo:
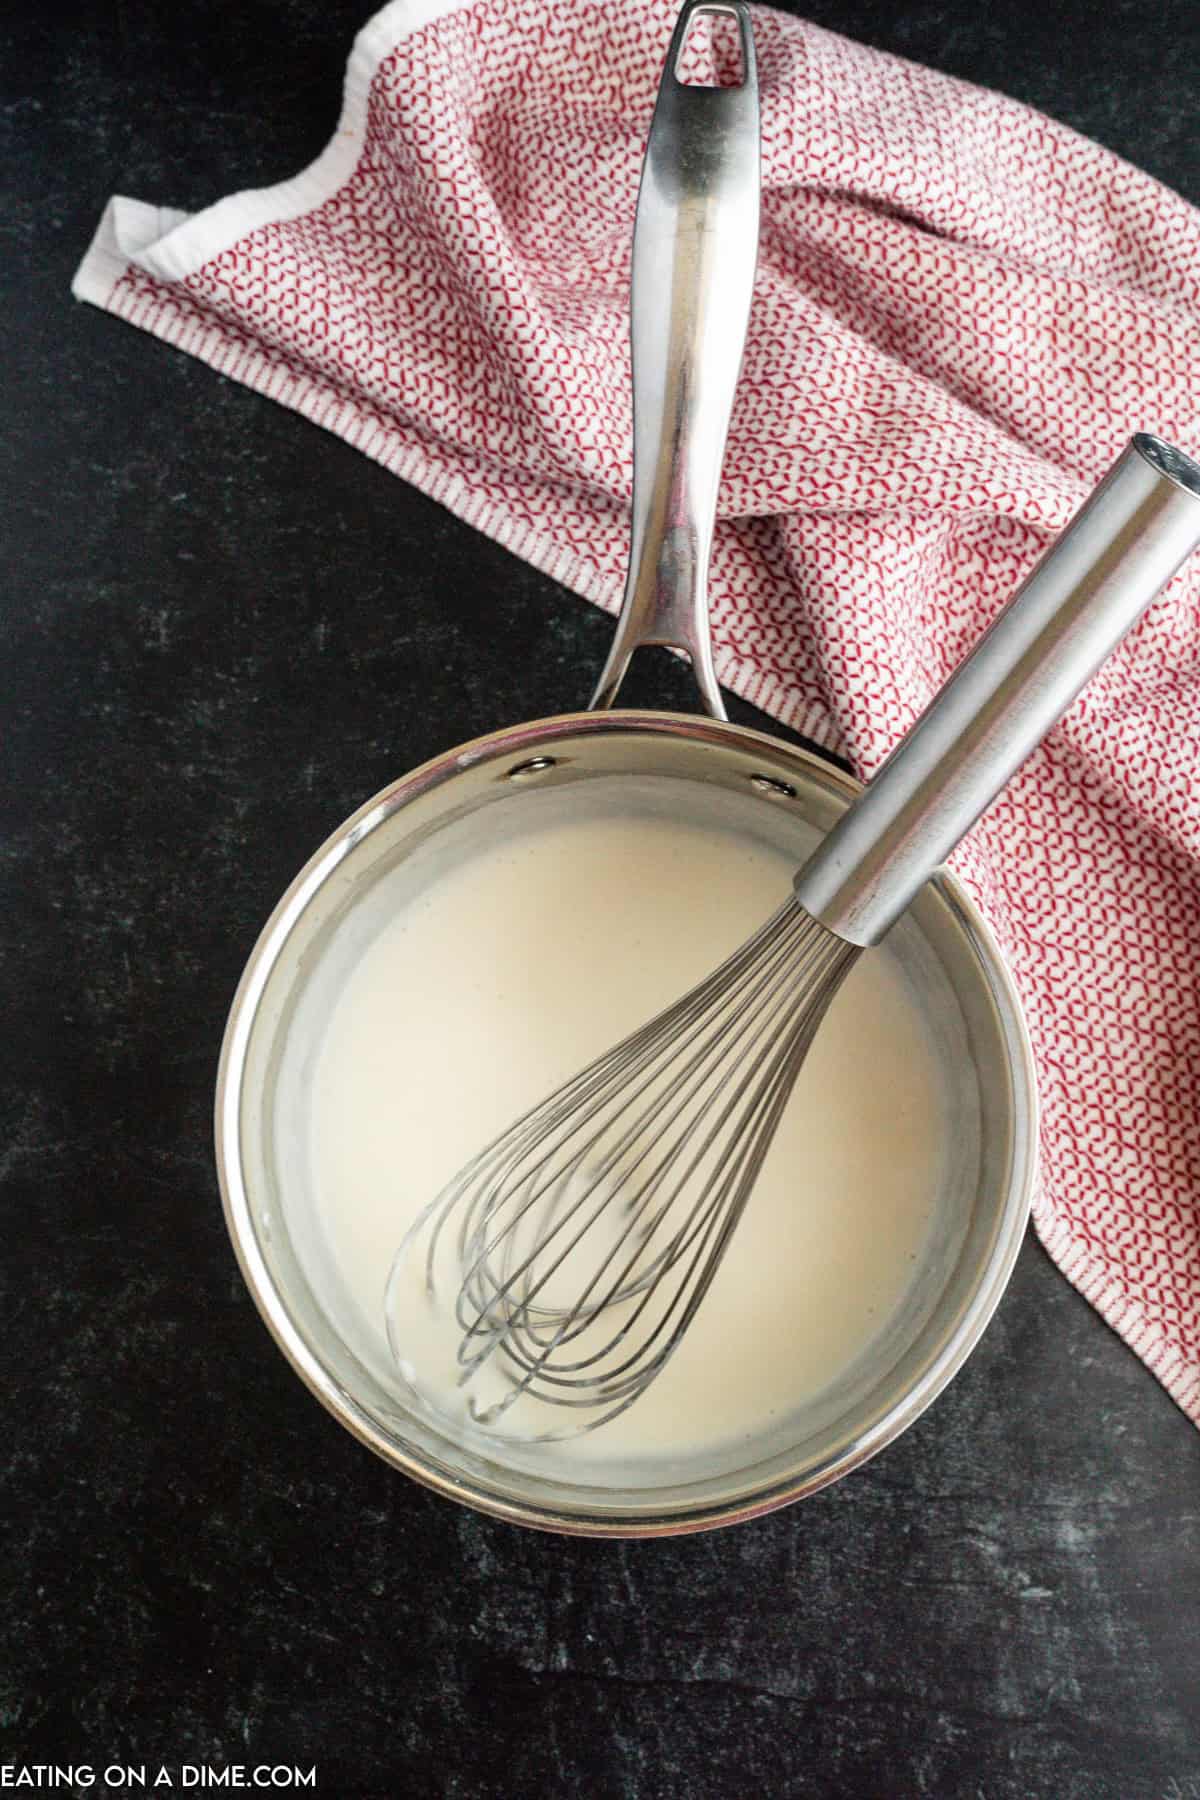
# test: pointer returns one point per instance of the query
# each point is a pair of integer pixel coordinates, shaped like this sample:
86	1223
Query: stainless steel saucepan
693	266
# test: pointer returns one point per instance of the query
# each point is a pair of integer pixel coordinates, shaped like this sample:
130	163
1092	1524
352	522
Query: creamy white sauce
484	991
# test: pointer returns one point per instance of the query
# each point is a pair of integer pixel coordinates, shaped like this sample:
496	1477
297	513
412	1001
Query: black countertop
222	629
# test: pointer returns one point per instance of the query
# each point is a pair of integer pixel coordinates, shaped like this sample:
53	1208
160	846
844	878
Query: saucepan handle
695	243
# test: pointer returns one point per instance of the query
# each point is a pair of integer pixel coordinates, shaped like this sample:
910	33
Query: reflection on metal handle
1139	526
694	248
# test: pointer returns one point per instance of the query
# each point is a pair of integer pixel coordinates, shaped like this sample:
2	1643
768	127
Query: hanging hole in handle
711	53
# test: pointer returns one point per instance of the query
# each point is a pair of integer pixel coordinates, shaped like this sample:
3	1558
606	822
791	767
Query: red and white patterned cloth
962	312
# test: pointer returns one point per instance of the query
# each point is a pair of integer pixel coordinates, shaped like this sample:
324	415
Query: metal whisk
580	1243
589	1232
644	1162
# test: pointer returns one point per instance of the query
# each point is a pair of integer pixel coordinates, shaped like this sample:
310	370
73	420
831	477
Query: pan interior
396	853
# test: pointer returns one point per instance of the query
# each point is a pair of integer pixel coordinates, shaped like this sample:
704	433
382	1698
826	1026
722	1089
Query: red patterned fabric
962	312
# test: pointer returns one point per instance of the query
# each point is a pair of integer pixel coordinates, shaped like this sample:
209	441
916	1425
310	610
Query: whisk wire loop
591	1230
721	1046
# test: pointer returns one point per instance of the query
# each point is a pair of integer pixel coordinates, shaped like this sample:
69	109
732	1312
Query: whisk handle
695	243
1137	529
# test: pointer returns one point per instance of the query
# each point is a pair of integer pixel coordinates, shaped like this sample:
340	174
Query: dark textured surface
221	629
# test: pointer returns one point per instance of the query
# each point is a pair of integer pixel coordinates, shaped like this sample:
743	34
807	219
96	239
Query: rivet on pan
537	765
772	787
